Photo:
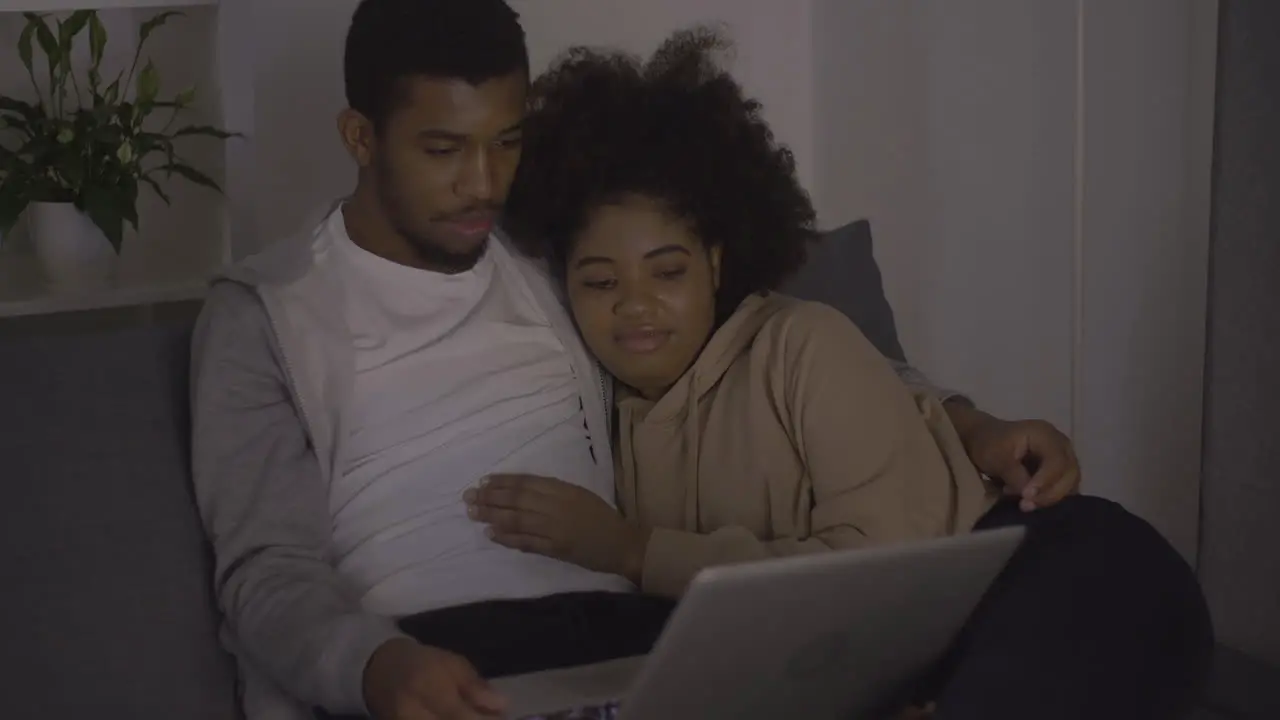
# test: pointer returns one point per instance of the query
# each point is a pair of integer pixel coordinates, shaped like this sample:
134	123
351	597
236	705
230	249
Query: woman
749	424
752	425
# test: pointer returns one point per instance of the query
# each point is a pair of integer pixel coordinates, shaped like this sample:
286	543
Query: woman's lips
644	340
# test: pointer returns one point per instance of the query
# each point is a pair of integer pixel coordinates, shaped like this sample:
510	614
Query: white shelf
61	5
24	292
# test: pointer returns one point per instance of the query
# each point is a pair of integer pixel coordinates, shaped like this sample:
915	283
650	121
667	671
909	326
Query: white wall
1148	76
951	126
1035	173
299	79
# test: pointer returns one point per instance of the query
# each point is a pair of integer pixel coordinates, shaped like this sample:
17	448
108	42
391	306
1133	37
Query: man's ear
713	256
357	136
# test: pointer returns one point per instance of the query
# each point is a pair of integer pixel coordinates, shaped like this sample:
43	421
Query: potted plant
77	157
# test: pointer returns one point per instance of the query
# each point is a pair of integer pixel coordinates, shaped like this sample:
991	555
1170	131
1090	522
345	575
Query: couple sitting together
429	451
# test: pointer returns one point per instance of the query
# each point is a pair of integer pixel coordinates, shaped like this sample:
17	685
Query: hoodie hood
670	427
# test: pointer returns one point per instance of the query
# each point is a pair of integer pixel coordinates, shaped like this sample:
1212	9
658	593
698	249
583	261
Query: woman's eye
671	273
600	284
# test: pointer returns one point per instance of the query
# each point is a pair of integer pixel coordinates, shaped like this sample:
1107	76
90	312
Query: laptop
837	635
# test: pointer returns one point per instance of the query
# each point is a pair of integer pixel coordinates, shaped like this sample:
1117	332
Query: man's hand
554	518
408	681
1033	459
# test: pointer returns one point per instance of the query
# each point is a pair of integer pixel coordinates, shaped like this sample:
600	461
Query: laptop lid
832	635
829	635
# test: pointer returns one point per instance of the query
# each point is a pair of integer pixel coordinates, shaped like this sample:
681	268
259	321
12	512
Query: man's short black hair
391	40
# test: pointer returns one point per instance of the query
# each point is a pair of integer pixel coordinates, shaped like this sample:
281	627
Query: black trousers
1096	617
513	637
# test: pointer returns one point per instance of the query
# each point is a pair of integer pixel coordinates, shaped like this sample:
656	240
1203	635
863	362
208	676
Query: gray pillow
842	272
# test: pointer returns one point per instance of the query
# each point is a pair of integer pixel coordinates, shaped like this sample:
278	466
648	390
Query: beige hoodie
790	434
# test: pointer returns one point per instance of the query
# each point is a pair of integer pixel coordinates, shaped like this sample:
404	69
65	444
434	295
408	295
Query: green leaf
148	84
185	98
155	186
189	173
26	110
11	206
203	131
103	137
76	22
48	43
128	197
97	40
16	123
70	28
150	26
111	95
72	168
150	141
104	209
25	41
124	113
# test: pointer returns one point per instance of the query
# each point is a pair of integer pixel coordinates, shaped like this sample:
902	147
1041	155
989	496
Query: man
351	383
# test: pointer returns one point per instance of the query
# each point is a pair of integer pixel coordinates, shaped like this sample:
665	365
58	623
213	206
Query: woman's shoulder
794	322
802	341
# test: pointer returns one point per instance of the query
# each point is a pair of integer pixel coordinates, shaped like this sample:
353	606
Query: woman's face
642	288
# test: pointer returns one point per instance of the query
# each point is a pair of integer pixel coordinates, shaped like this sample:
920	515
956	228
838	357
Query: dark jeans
512	637
1096	617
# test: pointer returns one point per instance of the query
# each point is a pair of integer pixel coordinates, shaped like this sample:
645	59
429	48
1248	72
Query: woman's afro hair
604	125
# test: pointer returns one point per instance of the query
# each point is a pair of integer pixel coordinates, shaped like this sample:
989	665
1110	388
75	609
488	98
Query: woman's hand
554	518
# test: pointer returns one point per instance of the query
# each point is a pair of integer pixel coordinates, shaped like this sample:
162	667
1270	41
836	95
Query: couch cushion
842	272
107	605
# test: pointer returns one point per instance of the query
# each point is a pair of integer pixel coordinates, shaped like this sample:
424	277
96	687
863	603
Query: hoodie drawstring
626	484
693	436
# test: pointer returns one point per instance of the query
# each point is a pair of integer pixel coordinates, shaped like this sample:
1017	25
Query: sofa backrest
104	568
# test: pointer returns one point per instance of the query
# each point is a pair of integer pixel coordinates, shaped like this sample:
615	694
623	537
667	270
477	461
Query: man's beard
430	254
437	258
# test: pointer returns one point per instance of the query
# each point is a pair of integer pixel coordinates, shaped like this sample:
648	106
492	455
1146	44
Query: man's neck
369	228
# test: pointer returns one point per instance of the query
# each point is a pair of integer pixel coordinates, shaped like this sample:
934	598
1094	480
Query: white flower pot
74	253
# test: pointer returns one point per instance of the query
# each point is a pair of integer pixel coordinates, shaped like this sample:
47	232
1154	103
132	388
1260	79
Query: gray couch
105	597
106	600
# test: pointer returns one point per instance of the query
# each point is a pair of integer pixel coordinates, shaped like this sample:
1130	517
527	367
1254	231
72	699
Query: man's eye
513	142
441	152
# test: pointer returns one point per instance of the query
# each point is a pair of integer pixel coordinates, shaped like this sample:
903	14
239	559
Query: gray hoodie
272	366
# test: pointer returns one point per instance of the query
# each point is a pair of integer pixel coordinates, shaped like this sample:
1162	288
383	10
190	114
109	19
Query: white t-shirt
457	377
